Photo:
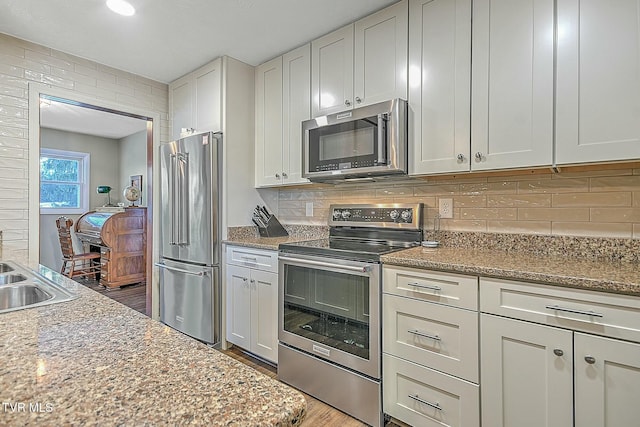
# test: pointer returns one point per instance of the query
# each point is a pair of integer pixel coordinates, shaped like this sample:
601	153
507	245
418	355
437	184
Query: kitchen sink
18	296
5	268
21	289
11	278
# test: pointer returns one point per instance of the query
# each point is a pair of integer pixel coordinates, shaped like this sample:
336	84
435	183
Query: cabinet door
181	105
239	306
269	123
512	83
607	382
524	382
598	81
332	72
440	85
296	108
207	85
381	56
264	314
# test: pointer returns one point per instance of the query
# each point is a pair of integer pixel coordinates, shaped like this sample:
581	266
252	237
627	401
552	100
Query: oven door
330	308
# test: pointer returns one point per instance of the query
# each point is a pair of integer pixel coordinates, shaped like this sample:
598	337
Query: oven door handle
363	269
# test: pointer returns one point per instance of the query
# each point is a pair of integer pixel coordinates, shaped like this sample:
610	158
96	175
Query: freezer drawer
190	300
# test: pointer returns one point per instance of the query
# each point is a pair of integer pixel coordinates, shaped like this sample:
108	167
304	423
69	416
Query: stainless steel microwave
364	142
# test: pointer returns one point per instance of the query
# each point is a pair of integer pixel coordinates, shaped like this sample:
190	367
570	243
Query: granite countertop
95	361
598	275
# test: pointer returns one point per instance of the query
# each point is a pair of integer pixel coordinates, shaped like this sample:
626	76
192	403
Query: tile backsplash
599	202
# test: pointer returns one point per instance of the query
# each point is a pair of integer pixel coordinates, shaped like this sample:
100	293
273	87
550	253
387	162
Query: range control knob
346	214
406	215
394	214
337	214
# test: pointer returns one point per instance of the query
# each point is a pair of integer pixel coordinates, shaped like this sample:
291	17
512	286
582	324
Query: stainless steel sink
21	296
11	278
5	268
21	288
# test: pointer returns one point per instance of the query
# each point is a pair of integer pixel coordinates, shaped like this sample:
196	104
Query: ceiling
72	118
166	39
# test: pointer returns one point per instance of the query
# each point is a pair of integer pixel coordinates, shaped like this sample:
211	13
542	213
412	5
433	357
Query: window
64	186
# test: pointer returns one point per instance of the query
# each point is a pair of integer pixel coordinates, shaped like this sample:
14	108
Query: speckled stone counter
598	275
93	361
249	237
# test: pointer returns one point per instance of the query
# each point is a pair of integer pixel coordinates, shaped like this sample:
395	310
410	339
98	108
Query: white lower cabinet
430	347
550	373
252	301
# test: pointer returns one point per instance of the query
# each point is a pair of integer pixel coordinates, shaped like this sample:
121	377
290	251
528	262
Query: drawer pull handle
430	287
422	334
247	258
571	310
433	405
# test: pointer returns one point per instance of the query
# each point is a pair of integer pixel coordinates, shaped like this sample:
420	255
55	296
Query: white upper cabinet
195	100
598	81
269	123
512	84
362	63
296	107
439	85
282	103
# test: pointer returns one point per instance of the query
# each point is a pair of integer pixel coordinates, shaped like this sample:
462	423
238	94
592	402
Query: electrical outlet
309	209
445	208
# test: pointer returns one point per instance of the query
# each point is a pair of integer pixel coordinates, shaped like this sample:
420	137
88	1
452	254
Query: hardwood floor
318	413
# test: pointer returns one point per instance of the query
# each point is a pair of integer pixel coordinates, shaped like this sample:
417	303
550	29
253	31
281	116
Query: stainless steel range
329	305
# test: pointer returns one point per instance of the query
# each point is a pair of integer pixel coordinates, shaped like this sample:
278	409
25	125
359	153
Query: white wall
23	63
132	159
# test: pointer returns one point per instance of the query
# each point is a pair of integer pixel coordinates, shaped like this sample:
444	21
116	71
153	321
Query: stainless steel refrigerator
190	235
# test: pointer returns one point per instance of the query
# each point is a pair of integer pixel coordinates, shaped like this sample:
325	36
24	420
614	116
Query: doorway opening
117	149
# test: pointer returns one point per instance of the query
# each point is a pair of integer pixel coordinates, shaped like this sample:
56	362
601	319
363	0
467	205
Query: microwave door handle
382	138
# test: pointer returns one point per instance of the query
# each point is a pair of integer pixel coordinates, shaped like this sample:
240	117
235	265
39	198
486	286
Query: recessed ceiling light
121	7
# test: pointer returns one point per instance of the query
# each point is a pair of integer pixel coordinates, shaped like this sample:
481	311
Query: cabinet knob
284	174
277	176
347	102
460	157
590	360
252	281
479	156
558	352
244	279
358	99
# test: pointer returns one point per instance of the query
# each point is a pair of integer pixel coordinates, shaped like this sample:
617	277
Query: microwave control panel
364	163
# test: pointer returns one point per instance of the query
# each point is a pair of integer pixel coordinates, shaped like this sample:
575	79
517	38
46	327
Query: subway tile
18	163
20	183
488	213
25	64
15	122
114	87
9	48
13	173
636	199
394	191
592	173
13	132
553	214
592	229
636	231
499	187
95	91
13	81
535	176
615	215
527	227
616	183
72	59
10	215
519	200
47	59
12	91
478	201
592	199
11	70
6	110
21	143
435	189
72	75
569	185
132	100
13	101
463	225
348	195
94	72
48	79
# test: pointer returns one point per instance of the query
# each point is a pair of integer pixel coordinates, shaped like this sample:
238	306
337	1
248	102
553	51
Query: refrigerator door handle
180	270
173	177
182	160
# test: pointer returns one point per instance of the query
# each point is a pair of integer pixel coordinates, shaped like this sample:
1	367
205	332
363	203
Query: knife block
273	229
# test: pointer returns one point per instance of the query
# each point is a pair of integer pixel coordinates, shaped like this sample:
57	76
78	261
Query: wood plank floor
318	413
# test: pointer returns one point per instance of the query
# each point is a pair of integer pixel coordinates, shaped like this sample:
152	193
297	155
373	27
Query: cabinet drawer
412	394
253	258
617	316
444	288
437	336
